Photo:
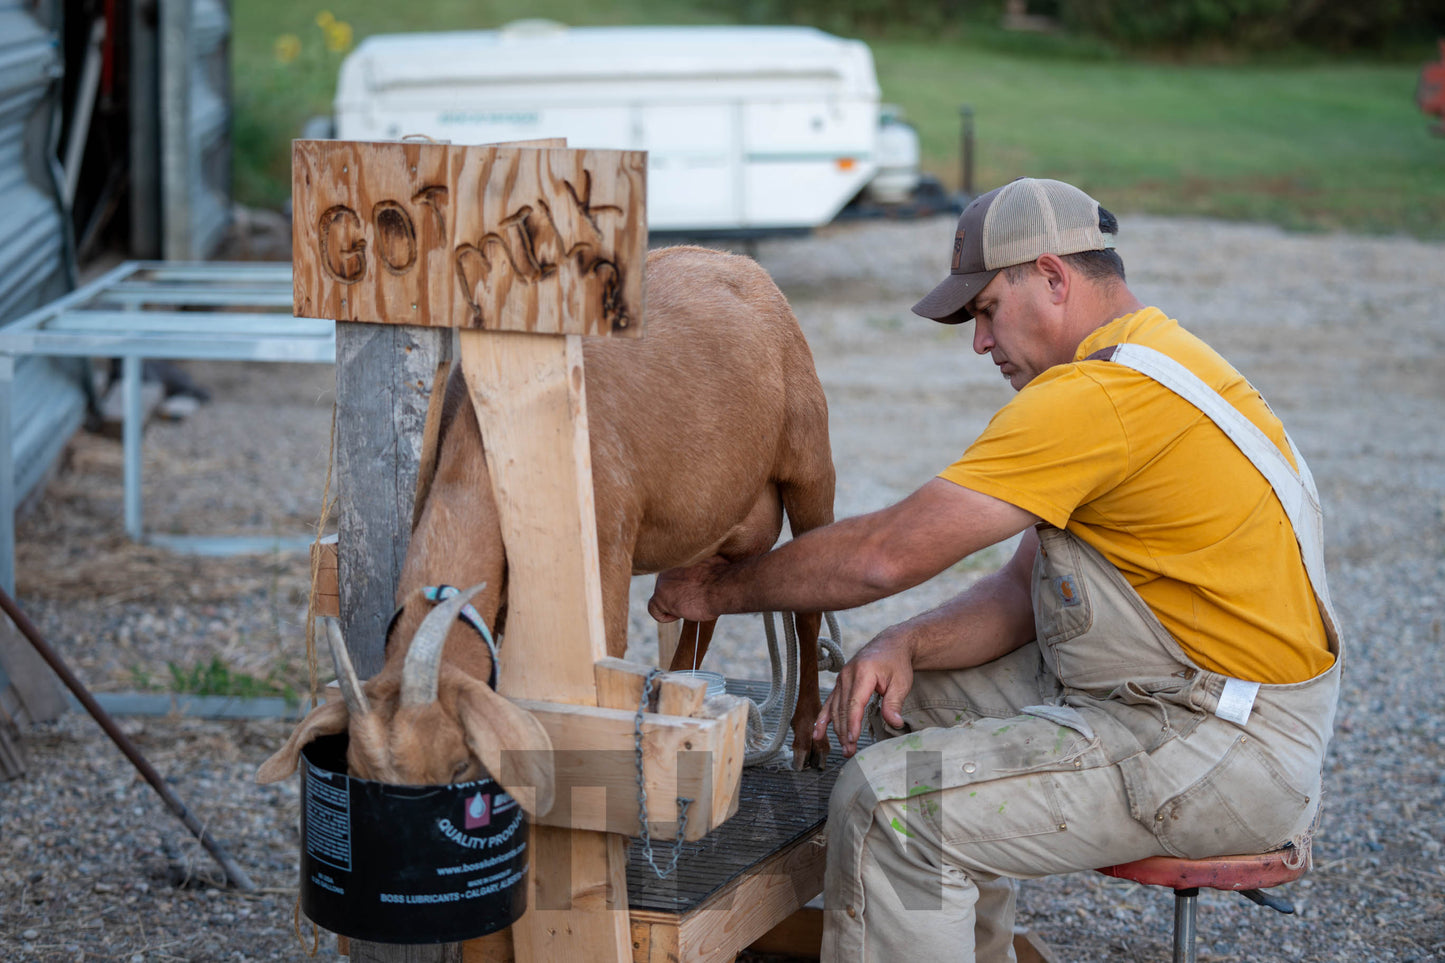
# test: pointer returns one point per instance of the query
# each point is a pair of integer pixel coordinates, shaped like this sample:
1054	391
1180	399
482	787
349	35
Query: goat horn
423	665
351	692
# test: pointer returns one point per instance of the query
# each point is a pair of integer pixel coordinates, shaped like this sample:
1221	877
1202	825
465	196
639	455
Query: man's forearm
846	564
989	619
829	569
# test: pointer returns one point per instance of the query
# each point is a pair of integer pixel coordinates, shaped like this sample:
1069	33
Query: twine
327	504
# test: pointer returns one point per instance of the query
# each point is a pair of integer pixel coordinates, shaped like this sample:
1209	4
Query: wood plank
501	238
430	439
620	684
728	762
550	241
759	901
680	695
492	948
383	385
654	943
13	763
799	935
577	898
370	238
384	377
35	689
363	952
325	583
531	402
529	395
594	748
1029	947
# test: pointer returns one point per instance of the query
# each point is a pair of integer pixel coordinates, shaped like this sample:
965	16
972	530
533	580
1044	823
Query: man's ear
324	720
511	744
1056	275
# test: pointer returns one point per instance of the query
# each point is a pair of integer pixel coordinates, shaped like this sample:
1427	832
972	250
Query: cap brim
945	303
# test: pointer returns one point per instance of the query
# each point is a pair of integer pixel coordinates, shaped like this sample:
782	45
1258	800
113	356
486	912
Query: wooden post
384	377
517	247
29	691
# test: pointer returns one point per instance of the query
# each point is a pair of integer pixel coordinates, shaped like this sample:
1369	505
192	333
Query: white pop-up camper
747	128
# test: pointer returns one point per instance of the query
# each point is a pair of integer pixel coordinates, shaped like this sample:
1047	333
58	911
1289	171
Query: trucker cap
1013	224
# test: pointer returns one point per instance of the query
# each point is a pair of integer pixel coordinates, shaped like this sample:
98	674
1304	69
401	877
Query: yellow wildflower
338	36
287	47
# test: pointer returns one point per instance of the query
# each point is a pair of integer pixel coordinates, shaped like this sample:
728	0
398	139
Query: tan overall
1099	743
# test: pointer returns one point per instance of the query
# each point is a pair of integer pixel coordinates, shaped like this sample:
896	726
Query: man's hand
683	593
884	666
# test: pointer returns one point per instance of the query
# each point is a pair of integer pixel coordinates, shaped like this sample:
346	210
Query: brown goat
703	432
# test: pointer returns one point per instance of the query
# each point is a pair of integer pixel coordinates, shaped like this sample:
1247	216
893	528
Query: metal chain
682	803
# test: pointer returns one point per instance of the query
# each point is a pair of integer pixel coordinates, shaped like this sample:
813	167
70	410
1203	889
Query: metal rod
131	427
85	95
966	149
234	874
1185	901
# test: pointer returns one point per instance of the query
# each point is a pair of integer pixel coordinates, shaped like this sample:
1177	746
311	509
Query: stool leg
1185	901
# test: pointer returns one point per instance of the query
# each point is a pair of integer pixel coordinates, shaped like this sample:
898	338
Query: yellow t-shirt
1160	491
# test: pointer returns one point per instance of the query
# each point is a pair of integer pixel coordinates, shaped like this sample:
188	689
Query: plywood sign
496	238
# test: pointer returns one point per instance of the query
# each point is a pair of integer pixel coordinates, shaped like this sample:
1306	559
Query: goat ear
511	744
324	720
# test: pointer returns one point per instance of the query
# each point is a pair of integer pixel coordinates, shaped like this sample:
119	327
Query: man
1154	672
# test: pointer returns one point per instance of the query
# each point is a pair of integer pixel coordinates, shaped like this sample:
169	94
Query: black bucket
407	864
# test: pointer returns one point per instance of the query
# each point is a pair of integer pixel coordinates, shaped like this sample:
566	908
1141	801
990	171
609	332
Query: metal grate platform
778	807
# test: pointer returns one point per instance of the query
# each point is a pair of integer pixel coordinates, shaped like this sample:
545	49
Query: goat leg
692	646
806	751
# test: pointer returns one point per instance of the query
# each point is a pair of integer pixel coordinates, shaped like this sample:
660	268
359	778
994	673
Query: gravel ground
1343	334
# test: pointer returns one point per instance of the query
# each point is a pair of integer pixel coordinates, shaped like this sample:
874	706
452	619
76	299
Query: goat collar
468	614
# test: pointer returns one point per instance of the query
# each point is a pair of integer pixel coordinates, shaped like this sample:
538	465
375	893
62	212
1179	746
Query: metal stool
1250	876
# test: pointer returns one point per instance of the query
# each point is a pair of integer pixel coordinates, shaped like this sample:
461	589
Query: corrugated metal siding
195	126
48	402
30	248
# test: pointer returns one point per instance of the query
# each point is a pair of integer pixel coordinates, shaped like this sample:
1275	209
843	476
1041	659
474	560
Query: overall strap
1295	489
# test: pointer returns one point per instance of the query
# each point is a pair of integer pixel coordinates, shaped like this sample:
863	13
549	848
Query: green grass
1312	146
216	678
1304	141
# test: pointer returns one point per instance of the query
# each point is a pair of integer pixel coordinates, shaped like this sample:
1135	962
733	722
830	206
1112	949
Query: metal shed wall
195	91
49	404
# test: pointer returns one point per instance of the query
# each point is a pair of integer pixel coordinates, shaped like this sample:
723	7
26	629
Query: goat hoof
813	757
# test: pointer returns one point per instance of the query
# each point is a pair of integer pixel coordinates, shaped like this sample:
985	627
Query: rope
327	504
830	647
296	926
756	755
775	663
783	688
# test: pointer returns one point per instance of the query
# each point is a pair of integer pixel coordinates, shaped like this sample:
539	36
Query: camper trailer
747	129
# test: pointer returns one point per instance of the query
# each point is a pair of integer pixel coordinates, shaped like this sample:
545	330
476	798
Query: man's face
1012	324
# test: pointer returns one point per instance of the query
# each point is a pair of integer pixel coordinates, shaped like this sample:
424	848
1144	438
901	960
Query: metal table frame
144	309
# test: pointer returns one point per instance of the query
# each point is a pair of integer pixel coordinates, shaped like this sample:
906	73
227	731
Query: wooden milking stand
526	249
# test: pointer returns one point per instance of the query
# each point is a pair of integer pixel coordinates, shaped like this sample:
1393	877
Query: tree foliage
1335	24
1182	24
